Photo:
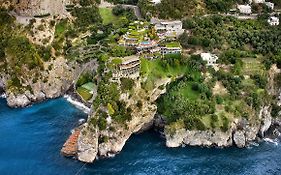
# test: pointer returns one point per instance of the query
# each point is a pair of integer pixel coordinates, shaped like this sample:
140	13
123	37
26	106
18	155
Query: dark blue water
31	138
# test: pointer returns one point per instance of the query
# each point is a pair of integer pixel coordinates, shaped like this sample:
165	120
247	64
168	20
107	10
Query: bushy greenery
127	84
84	78
120	51
86	16
176	9
125	12
187	99
217	32
133	2
220	5
88	2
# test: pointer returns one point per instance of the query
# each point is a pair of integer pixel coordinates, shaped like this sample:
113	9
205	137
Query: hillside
206	78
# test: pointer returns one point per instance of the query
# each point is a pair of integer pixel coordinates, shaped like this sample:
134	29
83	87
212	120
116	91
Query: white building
155	1
168	28
170	50
245	9
210	58
273	21
129	67
269	5
257	1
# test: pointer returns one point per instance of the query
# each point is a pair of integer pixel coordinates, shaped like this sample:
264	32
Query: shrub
127	84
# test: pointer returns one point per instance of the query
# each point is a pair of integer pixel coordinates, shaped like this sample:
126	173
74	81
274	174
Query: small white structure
269	5
245	9
273	21
155	1
259	1
210	58
170	50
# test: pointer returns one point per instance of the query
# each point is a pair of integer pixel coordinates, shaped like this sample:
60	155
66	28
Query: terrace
171	48
136	34
145	46
129	67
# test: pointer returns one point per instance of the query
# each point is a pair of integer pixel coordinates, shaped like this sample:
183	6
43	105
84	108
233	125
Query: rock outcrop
52	84
94	142
241	133
239	139
32	8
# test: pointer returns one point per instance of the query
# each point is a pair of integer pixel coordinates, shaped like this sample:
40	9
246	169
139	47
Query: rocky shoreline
88	147
239	138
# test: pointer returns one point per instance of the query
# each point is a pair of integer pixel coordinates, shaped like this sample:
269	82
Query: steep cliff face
54	81
94	142
241	133
40	7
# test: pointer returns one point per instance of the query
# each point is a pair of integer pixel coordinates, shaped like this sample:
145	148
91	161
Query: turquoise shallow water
31	138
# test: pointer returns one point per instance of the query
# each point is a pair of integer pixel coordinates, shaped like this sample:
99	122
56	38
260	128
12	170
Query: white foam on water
81	121
77	104
273	141
72	131
3	95
252	145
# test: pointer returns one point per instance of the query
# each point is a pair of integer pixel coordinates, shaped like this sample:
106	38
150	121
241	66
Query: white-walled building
269	5
257	1
155	1
273	21
210	58
167	28
169	25
245	9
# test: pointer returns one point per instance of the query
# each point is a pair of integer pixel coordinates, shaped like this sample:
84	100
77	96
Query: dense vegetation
223	33
178	9
211	102
86	16
133	2
17	54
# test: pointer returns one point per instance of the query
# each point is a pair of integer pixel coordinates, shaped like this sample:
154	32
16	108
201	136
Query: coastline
77	103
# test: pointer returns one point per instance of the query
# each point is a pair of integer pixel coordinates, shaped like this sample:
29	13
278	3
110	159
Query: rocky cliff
241	133
30	8
54	81
94	142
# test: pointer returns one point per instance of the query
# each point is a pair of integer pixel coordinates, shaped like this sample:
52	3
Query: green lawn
107	15
154	70
89	86
173	44
84	93
188	92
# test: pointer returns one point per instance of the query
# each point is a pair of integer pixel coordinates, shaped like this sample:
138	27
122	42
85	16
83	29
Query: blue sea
31	139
